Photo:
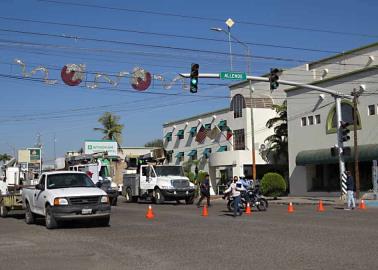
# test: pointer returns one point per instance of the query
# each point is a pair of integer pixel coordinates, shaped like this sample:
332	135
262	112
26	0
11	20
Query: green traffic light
194	81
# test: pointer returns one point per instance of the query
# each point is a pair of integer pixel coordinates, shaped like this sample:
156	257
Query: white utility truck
65	195
158	183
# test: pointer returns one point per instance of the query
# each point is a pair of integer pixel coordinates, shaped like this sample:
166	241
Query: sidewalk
306	200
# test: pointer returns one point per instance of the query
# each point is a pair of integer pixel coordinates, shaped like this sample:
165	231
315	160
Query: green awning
180	132
193	131
222	148
366	152
169	134
192	153
208	126
207	152
180	154
222	124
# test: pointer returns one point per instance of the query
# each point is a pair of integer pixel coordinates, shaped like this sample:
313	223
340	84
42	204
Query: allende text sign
233	76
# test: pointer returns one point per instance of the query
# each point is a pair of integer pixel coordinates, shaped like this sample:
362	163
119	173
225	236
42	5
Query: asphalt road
180	238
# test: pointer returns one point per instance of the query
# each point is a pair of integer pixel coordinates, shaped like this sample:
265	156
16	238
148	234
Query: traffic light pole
355	141
335	94
340	146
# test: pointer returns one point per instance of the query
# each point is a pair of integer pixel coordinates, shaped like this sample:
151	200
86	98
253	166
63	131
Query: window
371	110
239	140
311	120
304	121
180	134
347	116
237	105
317	119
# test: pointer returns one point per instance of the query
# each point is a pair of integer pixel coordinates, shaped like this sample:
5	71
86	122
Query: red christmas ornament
72	74
140	79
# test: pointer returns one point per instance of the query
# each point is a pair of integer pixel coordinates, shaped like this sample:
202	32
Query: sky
162	37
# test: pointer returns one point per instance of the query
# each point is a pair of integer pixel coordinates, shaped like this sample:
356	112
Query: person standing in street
236	195
205	191
350	191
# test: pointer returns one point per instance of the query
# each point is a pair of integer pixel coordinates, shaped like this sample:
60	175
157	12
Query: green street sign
233	75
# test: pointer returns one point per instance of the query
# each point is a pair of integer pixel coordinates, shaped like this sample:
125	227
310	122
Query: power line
165	34
146	45
181	16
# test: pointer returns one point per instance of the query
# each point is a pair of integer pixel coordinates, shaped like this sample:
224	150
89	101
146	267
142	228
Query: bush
273	184
201	176
191	176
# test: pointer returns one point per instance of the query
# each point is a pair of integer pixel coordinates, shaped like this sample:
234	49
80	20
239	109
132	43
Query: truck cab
159	183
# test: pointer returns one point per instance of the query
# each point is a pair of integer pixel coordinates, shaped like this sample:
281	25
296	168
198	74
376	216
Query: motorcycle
251	196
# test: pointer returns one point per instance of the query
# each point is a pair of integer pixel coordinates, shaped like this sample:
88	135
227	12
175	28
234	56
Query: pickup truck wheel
104	222
50	220
29	216
3	211
189	200
159	197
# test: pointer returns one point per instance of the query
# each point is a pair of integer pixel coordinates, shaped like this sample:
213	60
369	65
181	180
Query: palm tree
155	143
277	149
5	157
112	130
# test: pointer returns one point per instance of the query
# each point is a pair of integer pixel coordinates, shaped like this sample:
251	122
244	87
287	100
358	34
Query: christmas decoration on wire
42	69
73	74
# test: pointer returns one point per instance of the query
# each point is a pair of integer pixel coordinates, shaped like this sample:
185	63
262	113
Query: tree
154	143
276	151
5	157
112	129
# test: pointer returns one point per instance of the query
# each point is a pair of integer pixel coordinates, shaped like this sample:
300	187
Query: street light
217	29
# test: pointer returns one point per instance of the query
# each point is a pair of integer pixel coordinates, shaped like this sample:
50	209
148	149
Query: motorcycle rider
235	189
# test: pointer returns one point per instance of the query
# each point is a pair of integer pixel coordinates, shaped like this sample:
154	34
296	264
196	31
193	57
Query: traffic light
344	131
274	77
194	78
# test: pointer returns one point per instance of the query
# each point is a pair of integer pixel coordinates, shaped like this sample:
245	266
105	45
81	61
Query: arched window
347	116
237	105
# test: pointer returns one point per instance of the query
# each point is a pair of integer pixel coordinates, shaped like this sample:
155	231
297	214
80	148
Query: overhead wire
185	16
96	27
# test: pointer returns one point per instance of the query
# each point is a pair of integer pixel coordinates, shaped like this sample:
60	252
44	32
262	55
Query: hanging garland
74	74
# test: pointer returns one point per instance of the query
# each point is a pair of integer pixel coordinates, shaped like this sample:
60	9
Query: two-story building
311	125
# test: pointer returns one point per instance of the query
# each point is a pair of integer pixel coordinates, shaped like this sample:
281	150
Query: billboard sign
100	146
35	155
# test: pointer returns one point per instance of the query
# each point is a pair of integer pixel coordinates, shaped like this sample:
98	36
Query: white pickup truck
65	195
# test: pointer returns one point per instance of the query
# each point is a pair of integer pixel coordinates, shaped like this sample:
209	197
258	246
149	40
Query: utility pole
253	137
355	95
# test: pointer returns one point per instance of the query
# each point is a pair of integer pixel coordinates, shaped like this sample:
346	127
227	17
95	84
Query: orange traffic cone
204	211
320	206
290	209
150	214
248	210
362	205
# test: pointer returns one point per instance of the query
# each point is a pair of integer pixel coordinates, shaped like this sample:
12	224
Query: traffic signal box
273	78
344	132
194	78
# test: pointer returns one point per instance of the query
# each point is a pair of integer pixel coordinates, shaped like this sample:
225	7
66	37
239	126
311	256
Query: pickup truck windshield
169	170
68	180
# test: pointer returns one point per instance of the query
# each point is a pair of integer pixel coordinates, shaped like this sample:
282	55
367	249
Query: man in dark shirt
205	191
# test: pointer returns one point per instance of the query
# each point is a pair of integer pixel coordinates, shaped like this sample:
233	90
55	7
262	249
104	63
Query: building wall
234	160
305	103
